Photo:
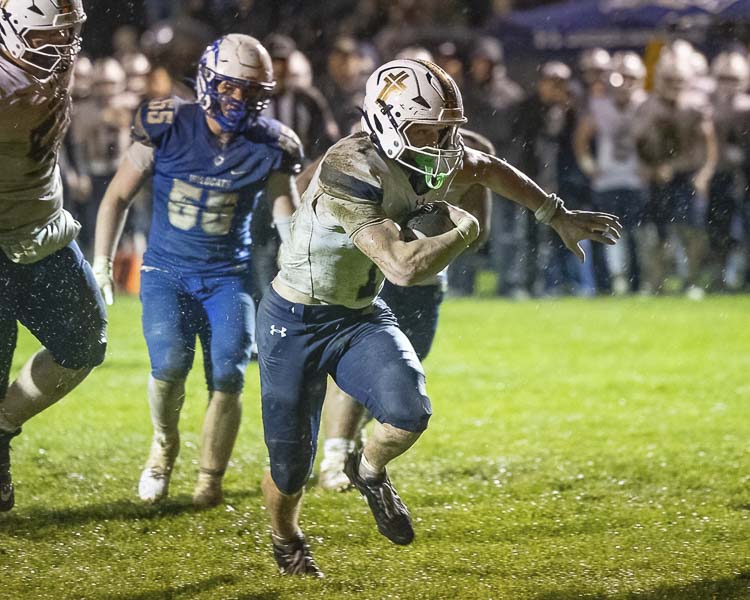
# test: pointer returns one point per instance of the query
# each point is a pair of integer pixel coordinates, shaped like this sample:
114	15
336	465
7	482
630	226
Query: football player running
45	283
211	160
417	309
322	316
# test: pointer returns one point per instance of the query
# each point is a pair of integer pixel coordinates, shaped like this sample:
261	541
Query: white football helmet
673	74
732	72
43	36
595	64
83	74
109	78
415	53
137	68
403	95
242	61
628	74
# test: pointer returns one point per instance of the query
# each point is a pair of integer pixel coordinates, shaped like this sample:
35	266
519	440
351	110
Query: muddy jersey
353	187
33	119
671	134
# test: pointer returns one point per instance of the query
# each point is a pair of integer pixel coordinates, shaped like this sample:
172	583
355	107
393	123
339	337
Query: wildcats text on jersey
205	191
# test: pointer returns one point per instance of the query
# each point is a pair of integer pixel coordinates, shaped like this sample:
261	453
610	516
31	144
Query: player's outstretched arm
408	263
572	226
111	217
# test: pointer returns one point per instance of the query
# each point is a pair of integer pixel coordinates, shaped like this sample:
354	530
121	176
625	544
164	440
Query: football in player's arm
322	315
45	283
211	161
416	308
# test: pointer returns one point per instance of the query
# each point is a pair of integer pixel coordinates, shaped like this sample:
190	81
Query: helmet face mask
433	149
235	81
412	110
44	37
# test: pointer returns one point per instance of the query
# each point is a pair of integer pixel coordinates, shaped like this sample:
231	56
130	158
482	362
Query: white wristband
546	212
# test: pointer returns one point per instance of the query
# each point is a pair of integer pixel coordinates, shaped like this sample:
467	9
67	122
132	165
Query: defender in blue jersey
211	162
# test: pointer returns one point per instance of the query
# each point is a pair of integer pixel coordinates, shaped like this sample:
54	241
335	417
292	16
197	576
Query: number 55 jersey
205	191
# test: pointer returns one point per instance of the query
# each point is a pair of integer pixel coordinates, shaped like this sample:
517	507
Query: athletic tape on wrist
468	230
546	212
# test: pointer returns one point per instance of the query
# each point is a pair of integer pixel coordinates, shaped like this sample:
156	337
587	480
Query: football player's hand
573	226
465	222
102	268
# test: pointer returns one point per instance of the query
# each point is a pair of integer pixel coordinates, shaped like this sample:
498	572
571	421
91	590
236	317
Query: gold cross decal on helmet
392	84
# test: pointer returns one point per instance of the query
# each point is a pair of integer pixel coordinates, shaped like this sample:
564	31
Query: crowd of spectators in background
662	145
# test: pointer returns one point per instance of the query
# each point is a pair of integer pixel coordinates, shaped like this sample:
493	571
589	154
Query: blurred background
630	106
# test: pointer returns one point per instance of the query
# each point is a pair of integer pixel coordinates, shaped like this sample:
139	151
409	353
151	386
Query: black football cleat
295	558
7	497
391	516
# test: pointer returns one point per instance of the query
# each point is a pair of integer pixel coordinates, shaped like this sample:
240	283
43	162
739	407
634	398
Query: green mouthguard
427	163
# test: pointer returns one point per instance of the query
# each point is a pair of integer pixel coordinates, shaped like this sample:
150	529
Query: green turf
578	449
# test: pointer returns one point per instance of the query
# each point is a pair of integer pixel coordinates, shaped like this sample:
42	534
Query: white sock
280	541
367	471
338	445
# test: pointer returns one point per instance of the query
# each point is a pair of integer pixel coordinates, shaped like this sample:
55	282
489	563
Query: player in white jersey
321	316
676	146
731	109
616	181
45	283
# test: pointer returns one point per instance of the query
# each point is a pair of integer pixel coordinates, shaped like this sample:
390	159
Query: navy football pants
364	351
58	301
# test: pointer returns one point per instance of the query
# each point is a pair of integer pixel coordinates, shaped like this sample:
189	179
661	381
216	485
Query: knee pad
170	373
290	466
401	402
229	380
411	416
86	355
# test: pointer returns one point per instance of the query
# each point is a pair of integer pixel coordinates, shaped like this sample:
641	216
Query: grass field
578	449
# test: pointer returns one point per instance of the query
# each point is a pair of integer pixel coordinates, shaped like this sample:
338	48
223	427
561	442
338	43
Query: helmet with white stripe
243	62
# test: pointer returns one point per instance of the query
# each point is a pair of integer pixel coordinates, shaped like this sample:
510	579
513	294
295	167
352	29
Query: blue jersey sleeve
153	119
282	138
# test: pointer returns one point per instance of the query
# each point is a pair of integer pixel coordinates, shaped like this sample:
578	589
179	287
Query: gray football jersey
732	121
665	133
33	121
352	188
